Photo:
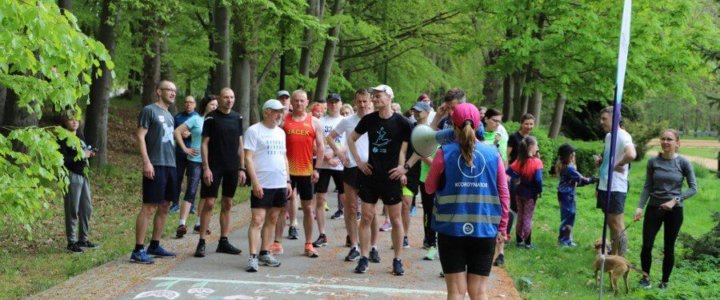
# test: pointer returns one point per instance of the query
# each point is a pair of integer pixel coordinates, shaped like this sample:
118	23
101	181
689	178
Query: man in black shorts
267	167
223	163
331	167
157	148
388	136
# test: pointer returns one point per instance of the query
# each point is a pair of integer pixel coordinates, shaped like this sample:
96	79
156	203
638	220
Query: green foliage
47	62
642	133
566	273
31	178
706	248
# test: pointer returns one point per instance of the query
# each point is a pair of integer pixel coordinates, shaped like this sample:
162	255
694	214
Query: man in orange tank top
302	130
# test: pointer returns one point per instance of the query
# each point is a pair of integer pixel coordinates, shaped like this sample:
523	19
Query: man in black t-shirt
223	162
388	136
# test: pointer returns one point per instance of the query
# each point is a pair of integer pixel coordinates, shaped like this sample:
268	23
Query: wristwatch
406	166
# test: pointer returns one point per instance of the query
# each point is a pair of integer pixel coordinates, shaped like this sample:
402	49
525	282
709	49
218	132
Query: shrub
706	246
642	133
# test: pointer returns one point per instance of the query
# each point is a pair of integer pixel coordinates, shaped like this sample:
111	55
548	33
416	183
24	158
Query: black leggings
654	218
428	202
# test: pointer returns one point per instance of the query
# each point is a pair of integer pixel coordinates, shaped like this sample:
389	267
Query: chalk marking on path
307	285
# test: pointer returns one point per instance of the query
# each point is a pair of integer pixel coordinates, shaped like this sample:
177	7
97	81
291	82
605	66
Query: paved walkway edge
117	277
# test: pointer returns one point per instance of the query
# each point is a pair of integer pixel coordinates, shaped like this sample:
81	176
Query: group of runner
289	155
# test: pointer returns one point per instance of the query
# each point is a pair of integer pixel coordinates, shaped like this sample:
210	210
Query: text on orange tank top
299	139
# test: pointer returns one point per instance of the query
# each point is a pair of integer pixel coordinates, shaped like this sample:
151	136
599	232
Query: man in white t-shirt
331	166
363	106
624	154
267	167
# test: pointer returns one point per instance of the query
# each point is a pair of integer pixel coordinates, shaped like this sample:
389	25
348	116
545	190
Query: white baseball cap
384	88
273	104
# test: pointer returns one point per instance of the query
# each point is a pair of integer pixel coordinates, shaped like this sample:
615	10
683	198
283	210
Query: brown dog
615	266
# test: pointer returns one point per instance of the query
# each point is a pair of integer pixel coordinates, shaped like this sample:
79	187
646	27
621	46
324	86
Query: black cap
565	150
334	97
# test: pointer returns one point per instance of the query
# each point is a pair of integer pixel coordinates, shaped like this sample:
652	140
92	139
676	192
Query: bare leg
206	216
141	223
258	218
397	231
320	199
269	226
368	214
225	216
405	212
159	221
477	287
307	207
456	285
349	211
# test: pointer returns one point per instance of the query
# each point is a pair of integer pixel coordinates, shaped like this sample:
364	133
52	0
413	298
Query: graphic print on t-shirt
379	145
168	133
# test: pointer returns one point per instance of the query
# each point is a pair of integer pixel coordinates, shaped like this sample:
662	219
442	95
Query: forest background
555	59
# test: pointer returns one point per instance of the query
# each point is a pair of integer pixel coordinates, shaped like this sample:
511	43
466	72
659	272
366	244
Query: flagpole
617	105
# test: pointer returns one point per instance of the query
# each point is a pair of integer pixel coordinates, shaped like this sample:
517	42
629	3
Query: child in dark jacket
570	178
526	173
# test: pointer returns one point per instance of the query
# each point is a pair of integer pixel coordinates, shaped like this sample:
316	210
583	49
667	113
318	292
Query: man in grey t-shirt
157	148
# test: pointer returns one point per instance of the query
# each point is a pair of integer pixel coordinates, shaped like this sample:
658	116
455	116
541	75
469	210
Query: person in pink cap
471	207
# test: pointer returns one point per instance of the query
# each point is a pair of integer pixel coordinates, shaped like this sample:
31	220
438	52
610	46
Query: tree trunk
507	99
221	47
3	95
535	105
519	83
16	116
151	61
491	90
96	121
325	69
166	71
283	56
254	91
557	116
65	5
525	103
314	9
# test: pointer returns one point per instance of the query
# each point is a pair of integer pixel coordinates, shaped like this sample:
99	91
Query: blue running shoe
174	208
159	251
362	266
398	267
141	257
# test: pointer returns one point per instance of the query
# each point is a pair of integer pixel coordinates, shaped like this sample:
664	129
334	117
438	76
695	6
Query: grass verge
28	267
551	272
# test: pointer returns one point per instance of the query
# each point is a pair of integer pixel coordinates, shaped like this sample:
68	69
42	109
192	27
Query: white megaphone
425	140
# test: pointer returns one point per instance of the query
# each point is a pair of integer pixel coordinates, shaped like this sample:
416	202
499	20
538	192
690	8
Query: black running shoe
374	255
292	233
362	266
86	244
320	242
338	215
200	250
499	261
226	247
398	267
74	248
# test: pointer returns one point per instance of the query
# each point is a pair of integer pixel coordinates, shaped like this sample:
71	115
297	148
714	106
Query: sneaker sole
269	265
361	271
320	245
428	258
398	274
312	255
141	262
352	259
251	270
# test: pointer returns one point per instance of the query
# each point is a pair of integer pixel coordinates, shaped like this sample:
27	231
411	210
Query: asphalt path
223	276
